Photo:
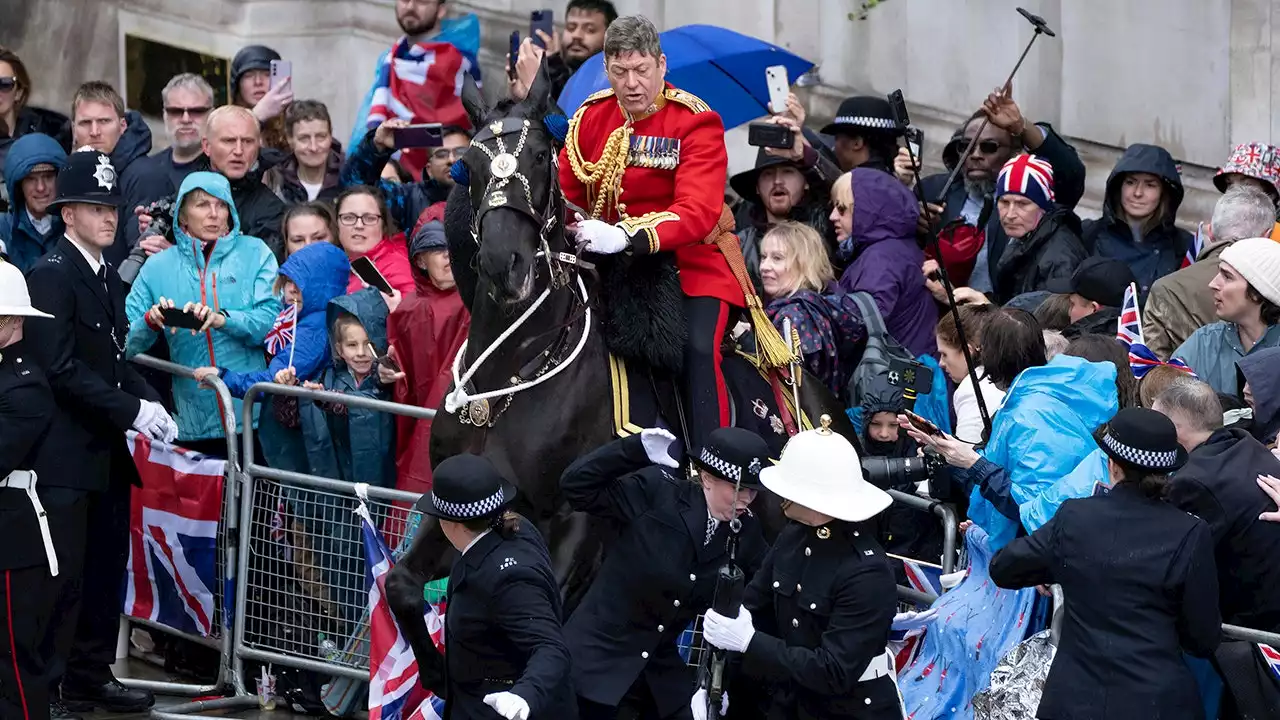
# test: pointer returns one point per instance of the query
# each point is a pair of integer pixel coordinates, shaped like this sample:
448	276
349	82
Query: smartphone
417	136
770	135
898	110
775	77
915	141
513	54
176	318
364	269
921	424
543	20
281	70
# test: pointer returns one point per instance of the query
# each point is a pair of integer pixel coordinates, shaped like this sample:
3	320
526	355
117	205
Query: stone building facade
1192	75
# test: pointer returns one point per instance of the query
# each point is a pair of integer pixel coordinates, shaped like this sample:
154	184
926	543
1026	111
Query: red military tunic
672	190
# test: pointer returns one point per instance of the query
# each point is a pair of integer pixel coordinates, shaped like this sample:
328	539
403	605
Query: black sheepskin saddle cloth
643	309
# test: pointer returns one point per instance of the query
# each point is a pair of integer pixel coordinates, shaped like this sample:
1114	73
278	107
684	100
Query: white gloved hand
699	704
166	428
146	418
657	446
732	634
508	704
601	237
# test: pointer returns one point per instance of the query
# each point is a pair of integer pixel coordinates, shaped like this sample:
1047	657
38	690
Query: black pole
900	118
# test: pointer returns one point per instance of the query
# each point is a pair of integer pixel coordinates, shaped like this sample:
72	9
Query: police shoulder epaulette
687	99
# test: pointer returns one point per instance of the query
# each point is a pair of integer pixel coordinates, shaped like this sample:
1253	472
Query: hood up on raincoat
1262	371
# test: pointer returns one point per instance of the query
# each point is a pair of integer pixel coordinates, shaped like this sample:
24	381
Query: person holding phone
253	87
209	296
364	231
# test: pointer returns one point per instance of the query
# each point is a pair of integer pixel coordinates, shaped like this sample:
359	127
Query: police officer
99	396
504	649
662	569
815	619
31	514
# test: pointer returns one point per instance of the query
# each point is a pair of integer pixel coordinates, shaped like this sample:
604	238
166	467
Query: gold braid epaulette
602	178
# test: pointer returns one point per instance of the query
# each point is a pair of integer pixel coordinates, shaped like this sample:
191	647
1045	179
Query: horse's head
515	195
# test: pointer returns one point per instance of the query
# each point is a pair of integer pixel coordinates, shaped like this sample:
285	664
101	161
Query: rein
503	170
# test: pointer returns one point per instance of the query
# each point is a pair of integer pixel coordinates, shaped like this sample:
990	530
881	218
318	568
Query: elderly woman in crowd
796	272
222	281
875	221
364	230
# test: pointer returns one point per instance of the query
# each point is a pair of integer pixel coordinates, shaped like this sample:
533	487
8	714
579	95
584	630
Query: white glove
657	445
699	704
732	634
601	237
509	705
146	418
165	428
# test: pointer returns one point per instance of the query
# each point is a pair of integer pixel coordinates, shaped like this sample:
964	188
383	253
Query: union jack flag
1272	658
394	692
1130	323
281	334
1197	243
173	536
1141	360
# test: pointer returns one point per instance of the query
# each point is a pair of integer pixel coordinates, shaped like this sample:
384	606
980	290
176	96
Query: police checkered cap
724	468
864	121
471	510
1148	459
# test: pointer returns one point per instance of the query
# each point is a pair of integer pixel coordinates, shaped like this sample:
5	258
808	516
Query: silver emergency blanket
1017	682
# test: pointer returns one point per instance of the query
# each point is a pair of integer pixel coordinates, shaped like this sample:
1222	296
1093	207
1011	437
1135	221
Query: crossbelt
26	480
879	667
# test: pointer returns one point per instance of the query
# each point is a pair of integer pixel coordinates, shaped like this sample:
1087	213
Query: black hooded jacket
1219	485
1052	251
1261	370
1110	236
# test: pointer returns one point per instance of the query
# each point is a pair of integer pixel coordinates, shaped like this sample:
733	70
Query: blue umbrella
724	68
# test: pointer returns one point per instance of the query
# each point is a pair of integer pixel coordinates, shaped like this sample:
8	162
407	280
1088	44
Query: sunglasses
8	84
177	112
840	208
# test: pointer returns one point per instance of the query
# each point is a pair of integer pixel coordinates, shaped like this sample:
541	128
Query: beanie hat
1029	176
1258	261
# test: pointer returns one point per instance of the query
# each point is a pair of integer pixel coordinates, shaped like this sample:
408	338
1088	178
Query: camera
892	472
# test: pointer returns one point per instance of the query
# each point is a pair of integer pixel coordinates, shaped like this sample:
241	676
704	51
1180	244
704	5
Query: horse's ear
539	98
473	101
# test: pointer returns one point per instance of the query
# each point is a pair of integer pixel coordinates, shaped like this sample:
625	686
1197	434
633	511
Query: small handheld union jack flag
1141	360
1130	324
281	334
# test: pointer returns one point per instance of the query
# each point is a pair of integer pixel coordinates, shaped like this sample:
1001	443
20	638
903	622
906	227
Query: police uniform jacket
657	576
672	186
1140	586
822	605
503	631
81	350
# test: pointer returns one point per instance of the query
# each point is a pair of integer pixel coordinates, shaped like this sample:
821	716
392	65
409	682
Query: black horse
535	329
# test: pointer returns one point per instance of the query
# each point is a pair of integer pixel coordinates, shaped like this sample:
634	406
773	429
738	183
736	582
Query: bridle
504	178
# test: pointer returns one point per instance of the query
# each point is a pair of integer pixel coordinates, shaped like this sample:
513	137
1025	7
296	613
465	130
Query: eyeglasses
840	208
349	219
448	153
8	84
177	112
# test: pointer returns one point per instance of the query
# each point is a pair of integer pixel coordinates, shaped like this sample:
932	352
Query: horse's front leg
405	585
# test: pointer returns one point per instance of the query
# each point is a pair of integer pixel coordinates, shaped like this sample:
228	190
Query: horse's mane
462	247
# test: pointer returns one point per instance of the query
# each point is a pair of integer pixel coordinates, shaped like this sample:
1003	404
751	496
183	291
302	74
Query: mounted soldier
648	162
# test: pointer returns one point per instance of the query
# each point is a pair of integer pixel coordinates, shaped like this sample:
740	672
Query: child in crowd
348	443
298	344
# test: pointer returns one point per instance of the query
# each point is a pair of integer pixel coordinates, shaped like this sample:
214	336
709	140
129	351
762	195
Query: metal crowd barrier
303	543
950	524
228	679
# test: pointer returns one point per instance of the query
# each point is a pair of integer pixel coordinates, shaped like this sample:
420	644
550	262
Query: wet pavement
138	669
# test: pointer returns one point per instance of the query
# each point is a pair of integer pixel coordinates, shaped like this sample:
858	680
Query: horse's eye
541	156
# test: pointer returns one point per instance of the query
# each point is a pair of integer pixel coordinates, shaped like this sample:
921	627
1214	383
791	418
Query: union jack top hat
1029	176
